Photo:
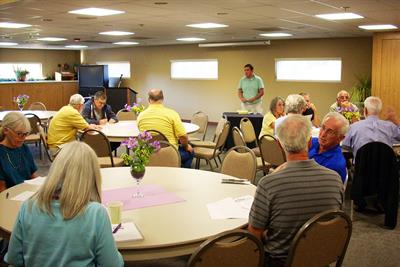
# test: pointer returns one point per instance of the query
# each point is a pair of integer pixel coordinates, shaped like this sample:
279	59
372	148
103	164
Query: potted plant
136	108
361	90
21	74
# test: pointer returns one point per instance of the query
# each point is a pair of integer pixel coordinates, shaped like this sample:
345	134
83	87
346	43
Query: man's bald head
156	95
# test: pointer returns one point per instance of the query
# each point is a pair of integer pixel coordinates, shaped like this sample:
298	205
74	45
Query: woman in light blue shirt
64	223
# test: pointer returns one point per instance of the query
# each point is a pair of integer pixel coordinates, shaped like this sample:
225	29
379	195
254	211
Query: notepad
230	208
127	232
36	181
23	196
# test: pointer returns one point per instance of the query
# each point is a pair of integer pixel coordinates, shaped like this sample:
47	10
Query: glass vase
137	172
20	107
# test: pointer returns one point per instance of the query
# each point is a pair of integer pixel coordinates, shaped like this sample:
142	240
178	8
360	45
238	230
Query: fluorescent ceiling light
268	42
7	44
51	39
126	43
93	11
207	25
190	39
378	27
276	34
339	16
76	46
116	33
13	25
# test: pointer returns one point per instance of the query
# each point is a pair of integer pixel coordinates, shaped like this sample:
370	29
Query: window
196	69
7	70
115	69
309	69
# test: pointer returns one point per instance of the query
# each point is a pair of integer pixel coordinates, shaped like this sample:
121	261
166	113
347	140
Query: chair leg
219	158
216	163
351	209
40	150
209	164
197	165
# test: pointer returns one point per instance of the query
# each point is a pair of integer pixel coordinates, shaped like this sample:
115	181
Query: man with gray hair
294	104
66	123
342	99
325	149
296	191
373	129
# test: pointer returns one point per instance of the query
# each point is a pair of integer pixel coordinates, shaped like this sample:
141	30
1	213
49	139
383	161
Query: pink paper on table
154	195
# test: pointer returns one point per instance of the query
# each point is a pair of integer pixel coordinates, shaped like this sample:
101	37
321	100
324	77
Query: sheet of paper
229	208
23	196
36	181
127	232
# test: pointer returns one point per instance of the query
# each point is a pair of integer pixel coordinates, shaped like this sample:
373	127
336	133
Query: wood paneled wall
386	68
53	94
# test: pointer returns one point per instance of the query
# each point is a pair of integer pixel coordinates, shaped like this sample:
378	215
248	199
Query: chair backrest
271	150
43	137
236	248
98	142
200	119
248	131
322	240
157	136
237	136
167	156
37	106
240	162
219	128
34	121
124	115
221	139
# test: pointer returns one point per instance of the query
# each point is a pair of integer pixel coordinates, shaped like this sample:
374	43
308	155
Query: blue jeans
186	157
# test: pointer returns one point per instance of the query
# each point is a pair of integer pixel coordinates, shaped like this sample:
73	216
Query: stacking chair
249	134
157	136
34	136
37	106
236	248
200	119
43	137
212	153
240	162
322	240
101	145
124	115
212	143
167	156
272	153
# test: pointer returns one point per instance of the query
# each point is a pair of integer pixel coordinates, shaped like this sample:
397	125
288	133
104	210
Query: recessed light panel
207	25
7	44
93	11
126	43
51	39
378	27
13	25
76	46
116	33
276	34
190	39
339	16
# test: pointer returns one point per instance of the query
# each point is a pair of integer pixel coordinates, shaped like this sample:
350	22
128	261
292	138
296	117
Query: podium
117	97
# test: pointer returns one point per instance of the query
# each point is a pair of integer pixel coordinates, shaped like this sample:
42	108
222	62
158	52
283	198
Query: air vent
269	29
141	38
86	18
94	41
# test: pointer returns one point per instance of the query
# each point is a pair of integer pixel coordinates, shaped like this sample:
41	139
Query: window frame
195	60
309	59
116	62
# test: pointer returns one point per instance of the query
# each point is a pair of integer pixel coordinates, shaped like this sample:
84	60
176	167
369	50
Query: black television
93	76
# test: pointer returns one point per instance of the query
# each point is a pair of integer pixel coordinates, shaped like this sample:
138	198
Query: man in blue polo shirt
251	90
325	149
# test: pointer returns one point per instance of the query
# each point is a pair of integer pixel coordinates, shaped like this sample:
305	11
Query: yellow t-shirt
266	125
162	119
64	126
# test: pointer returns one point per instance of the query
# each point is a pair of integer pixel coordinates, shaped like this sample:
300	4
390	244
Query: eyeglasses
328	131
344	97
20	134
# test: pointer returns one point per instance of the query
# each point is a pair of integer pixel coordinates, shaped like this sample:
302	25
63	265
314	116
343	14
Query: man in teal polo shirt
251	90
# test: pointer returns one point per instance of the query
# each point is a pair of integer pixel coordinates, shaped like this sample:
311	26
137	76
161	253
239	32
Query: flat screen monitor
92	76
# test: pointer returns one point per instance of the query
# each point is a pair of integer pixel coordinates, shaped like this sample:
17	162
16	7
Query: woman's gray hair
373	104
76	99
344	128
274	102
14	120
295	103
294	132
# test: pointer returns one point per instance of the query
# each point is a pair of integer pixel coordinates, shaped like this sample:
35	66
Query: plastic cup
115	209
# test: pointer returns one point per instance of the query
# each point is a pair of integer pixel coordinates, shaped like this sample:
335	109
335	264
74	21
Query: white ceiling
161	24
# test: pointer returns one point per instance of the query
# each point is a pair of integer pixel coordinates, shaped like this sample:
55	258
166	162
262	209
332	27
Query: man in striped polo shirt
296	191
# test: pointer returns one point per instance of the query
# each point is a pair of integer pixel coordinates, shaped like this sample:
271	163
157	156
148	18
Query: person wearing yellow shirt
276	110
167	121
66	123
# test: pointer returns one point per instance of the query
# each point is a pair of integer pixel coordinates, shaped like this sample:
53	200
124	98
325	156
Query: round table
117	132
42	114
168	230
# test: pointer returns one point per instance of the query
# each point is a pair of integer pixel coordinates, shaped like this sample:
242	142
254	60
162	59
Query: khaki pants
255	108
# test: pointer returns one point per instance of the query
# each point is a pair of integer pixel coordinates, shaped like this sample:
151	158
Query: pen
117	228
7	195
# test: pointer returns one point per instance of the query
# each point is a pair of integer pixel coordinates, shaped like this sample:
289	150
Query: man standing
96	110
296	191
66	123
373	129
251	90
325	149
168	122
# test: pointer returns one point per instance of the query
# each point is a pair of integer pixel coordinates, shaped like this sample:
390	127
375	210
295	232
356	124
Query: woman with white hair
64	223
294	104
16	161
